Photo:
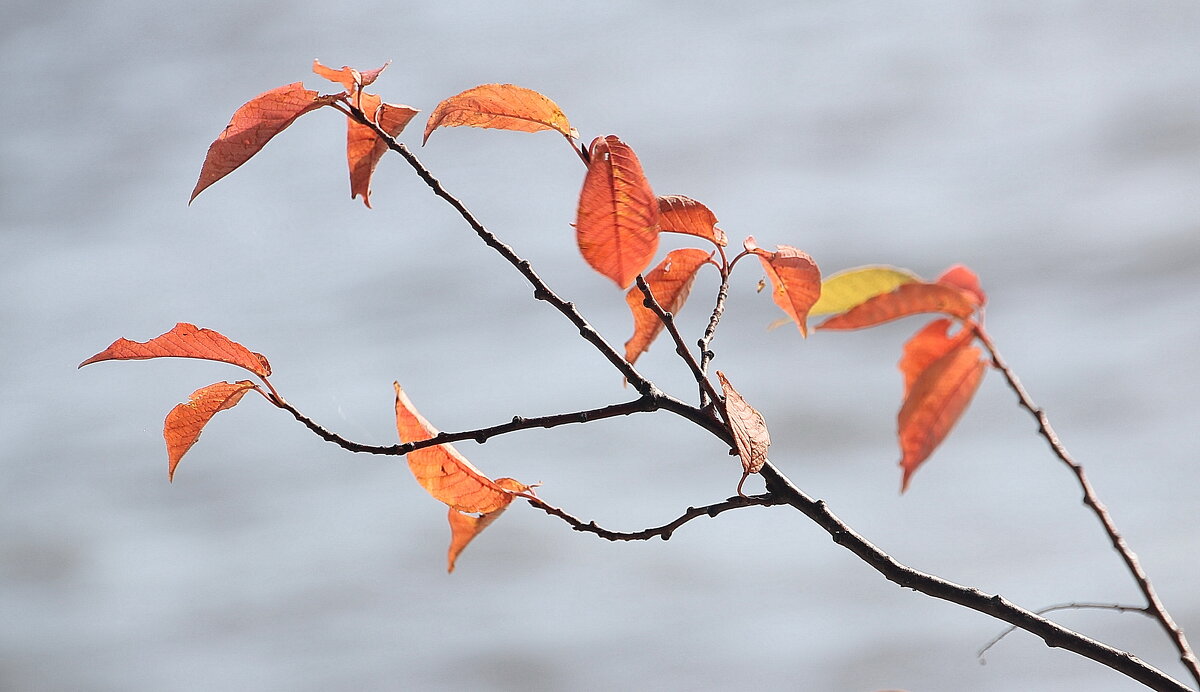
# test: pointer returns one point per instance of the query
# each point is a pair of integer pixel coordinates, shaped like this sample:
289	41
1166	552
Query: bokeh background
1054	147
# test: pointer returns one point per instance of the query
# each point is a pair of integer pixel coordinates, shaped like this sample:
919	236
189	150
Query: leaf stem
1154	604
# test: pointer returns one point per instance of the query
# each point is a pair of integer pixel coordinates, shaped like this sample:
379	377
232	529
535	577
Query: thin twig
480	435
1153	603
1064	606
681	347
664	532
706	354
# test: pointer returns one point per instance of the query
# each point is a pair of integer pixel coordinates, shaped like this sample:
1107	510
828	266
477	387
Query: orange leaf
749	430
252	126
679	214
185	421
465	527
500	106
926	346
186	341
617	224
962	277
364	148
936	400
442	471
908	299
670	282
795	278
350	78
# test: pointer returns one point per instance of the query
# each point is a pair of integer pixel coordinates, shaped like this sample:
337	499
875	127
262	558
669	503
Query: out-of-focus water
1055	148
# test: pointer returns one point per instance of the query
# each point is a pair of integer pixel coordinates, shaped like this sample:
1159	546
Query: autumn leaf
364	148
928	345
617	224
963	278
252	126
441	470
186	341
670	282
846	289
465	527
907	299
795	278
500	106
679	214
350	79
185	421
935	401
749	430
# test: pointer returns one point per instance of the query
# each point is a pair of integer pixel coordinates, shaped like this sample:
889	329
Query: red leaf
962	277
795	277
908	299
926	346
465	527
186	341
252	126
500	106
670	282
442	471
679	214
185	422
351	79
364	148
935	401
617	224
749	430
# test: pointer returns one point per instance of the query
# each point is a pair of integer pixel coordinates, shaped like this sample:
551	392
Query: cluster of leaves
617	229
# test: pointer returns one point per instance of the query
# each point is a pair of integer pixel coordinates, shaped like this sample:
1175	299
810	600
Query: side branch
681	347
642	404
1154	605
541	290
706	354
664	532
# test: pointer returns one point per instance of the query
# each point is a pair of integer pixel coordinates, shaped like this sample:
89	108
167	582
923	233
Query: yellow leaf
846	289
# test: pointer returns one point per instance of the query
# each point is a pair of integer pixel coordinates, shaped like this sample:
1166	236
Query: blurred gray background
1053	147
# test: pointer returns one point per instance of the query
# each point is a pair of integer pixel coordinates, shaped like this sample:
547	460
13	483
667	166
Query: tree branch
664	532
1064	606
681	347
706	354
1154	605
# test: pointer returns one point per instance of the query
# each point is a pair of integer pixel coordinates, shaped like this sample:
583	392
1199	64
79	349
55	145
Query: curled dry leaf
795	278
617	224
350	79
441	470
935	400
679	214
847	289
465	527
749	430
252	126
500	106
961	277
364	148
186	341
908	299
185	422
670	282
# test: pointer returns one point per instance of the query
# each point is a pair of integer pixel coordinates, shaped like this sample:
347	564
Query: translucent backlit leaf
350	79
441	470
465	527
749	430
670	282
679	214
252	126
186	341
364	148
961	277
851	287
935	401
908	299
185	422
795	278
928	345
500	106
617	224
